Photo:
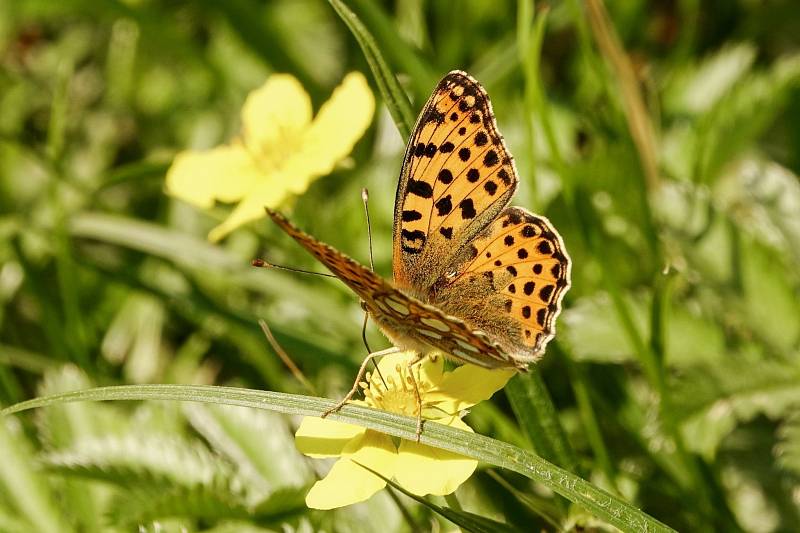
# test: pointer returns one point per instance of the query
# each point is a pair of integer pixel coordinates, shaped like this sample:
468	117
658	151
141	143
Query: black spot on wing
420	188
529	287
434	115
546	293
413	236
544	248
467	208
503	175
444	205
411	215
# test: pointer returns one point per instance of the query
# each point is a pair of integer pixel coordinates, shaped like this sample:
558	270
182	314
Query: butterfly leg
360	375
417	397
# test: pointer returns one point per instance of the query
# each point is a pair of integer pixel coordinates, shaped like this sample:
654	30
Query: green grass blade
387	35
396	100
595	500
538	418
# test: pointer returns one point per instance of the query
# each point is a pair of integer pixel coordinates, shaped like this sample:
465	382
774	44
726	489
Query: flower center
399	402
396	395
270	154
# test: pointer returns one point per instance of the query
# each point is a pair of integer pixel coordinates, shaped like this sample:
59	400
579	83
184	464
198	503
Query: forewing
456	177
509	283
407	321
360	279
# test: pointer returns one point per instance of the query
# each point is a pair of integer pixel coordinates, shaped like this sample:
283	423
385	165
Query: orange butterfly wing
473	278
457	176
509	283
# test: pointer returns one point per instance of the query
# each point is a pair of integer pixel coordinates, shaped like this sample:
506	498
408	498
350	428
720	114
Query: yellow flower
417	467
279	152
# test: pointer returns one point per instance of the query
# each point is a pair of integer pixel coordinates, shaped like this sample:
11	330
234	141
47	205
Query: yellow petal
276	115
422	469
467	385
289	151
319	437
431	371
388	363
340	123
270	191
348	483
225	173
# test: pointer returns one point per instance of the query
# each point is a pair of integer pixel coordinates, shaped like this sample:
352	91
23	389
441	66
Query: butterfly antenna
261	263
293	368
365	201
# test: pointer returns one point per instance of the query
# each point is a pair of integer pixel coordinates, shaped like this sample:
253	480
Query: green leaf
251	439
763	198
396	100
61	426
696	88
25	487
141	505
771	308
14	356
143	460
743	115
281	503
788	448
712	400
597	501
594	332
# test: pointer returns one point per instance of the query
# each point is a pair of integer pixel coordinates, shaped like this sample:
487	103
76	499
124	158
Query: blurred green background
676	369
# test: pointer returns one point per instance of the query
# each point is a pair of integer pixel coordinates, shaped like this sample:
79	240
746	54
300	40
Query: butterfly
474	279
